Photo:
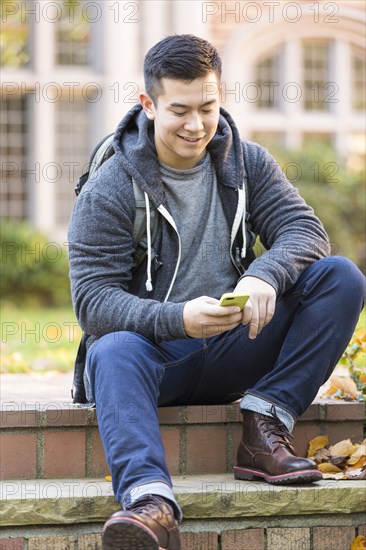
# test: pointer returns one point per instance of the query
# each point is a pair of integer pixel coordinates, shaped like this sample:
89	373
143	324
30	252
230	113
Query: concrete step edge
74	501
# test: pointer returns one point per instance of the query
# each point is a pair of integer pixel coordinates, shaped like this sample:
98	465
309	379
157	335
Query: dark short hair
181	57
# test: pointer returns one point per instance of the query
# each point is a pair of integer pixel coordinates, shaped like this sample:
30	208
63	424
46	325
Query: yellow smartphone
231	299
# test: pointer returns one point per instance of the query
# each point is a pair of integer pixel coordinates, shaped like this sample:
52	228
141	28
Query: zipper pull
237	256
157	263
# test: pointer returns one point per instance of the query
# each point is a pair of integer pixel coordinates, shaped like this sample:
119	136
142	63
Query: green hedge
335	189
34	269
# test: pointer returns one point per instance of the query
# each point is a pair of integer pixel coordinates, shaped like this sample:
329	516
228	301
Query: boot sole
304	476
128	534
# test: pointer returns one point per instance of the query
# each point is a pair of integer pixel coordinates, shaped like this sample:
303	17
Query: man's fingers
222	311
271	306
261	314
254	321
247	313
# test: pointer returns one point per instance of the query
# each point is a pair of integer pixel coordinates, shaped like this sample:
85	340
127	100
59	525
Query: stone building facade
293	72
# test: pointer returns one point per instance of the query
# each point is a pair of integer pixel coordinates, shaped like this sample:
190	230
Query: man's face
185	119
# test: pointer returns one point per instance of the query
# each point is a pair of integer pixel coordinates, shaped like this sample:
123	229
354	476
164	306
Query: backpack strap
102	152
139	236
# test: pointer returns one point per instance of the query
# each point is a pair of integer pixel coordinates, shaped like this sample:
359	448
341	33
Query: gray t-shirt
206	268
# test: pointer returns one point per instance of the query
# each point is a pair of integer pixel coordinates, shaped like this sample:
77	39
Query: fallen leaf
328	468
108	478
332	391
359	543
360	463
321	455
359	453
343	448
345	384
317	443
339	461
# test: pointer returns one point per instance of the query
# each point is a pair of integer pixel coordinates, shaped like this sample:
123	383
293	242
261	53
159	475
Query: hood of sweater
134	147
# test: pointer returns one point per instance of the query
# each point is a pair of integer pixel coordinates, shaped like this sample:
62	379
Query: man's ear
148	105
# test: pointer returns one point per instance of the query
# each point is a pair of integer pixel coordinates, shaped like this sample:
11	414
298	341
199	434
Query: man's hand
260	307
203	317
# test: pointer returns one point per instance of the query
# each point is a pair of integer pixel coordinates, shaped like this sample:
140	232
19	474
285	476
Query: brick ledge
65	413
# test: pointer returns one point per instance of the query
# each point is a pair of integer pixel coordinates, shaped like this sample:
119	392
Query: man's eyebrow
182	106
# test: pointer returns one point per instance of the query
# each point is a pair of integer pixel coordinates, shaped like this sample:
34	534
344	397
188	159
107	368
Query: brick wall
272	538
33	442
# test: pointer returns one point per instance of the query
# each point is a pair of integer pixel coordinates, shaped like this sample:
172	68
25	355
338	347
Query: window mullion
342	107
292	92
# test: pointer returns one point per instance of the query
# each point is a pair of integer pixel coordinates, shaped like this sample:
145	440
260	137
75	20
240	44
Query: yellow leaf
108	478
328	468
331	390
317	443
359	543
343	448
345	384
359	453
361	462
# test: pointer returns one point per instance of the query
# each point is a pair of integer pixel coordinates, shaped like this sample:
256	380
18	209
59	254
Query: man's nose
194	123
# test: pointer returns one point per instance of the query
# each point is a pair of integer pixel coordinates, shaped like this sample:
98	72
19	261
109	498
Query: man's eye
179	114
206	111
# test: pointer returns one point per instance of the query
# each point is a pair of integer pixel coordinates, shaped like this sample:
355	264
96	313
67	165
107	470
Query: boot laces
148	505
273	426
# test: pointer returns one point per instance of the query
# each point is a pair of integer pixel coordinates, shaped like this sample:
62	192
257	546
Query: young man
156	332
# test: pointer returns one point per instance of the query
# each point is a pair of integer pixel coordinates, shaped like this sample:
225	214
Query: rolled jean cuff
154	488
262	406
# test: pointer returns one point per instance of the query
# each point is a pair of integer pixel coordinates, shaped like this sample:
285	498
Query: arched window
310	89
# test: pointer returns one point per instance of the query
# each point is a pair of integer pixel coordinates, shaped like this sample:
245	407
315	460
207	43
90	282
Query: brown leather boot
265	452
147	524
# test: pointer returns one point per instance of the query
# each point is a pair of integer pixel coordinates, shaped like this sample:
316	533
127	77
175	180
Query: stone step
219	513
35	440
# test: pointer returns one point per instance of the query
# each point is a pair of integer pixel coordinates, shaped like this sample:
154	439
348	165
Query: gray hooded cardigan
110	295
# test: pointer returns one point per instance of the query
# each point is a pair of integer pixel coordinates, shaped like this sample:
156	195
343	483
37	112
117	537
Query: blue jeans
129	376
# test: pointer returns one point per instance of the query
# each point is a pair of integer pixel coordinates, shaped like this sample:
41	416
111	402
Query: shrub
34	269
336	192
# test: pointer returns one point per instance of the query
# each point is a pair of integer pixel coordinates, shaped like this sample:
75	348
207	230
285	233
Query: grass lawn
38	339
46	339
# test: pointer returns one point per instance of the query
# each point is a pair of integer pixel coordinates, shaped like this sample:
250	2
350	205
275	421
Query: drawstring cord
148	285
243	223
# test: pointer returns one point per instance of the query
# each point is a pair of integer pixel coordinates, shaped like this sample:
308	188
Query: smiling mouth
191	140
